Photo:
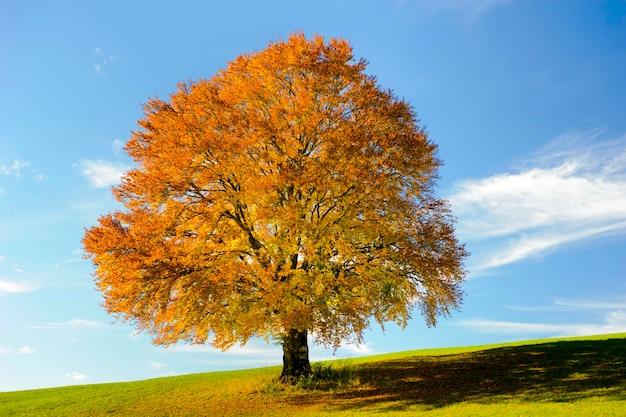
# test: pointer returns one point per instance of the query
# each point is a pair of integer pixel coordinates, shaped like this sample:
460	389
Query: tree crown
288	191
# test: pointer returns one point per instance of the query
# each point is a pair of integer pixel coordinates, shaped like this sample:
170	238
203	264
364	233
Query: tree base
295	356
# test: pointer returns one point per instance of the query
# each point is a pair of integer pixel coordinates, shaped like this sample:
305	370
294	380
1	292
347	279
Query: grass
574	377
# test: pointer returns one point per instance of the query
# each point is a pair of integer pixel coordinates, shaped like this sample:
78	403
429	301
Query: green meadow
583	376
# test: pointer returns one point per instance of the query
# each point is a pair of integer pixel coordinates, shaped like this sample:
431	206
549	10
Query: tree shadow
562	371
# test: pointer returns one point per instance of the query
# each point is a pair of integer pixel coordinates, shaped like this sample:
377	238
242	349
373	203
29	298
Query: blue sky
526	100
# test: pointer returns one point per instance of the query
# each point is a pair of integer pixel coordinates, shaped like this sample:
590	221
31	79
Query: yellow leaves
287	191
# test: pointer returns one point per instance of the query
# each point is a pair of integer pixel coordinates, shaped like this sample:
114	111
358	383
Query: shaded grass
563	371
580	377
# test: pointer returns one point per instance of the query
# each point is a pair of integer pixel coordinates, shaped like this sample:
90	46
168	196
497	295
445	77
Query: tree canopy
287	194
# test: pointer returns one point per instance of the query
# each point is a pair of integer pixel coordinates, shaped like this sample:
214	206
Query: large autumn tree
288	195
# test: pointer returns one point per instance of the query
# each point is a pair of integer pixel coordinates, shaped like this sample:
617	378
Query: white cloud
269	350
74	325
26	350
157	366
592	304
574	189
258	352
614	322
568	305
134	335
80	323
76	376
363	349
9	287
118	146
611	315
103	61
15	168
193	349
346	350
472	9
246	350
97	68
512	327
66	262
102	173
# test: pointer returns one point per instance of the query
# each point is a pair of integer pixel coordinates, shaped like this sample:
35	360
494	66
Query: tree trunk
295	356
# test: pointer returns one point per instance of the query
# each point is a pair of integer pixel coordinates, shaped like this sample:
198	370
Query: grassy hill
583	376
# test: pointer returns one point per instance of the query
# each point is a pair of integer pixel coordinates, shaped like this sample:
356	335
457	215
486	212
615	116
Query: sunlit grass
573	377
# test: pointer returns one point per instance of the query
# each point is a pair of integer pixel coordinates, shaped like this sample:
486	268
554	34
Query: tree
286	196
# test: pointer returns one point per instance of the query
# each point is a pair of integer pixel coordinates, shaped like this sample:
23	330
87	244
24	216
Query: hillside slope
577	376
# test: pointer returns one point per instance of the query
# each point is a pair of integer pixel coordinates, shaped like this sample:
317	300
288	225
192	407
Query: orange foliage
289	191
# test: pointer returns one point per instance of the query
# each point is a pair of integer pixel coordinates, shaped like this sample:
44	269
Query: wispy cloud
102	61
592	304
14	168
573	189
75	325
26	350
614	322
102	173
363	349
569	305
118	147
346	350
513	327
135	335
66	262
250	349
611	313
97	68
157	366
76	376
161	368
472	9
260	353
11	287
255	353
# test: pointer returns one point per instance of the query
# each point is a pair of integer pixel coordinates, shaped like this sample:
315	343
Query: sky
525	99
